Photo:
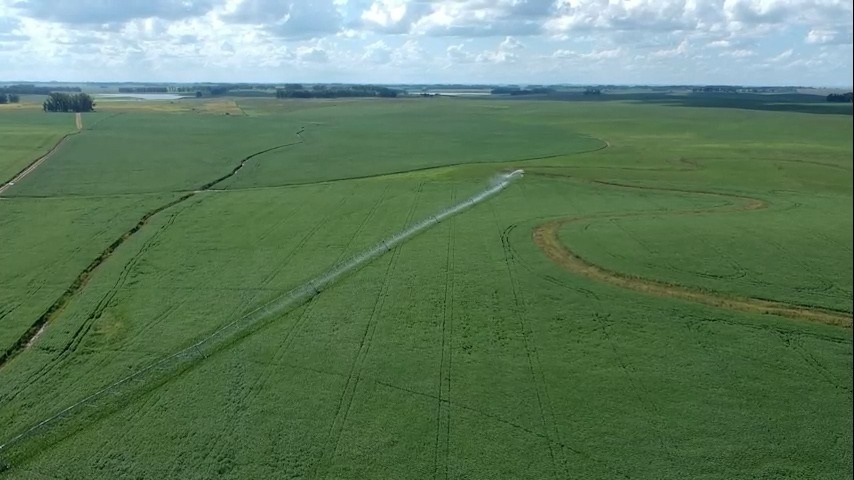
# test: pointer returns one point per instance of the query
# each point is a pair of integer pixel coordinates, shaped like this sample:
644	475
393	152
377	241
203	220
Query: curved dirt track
547	237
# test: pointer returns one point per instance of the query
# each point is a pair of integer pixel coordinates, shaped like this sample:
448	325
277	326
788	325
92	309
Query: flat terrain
665	294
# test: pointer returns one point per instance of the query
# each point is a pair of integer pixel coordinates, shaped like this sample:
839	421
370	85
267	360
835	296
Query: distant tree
3	99
63	102
337	91
593	91
198	94
13	98
29	89
840	97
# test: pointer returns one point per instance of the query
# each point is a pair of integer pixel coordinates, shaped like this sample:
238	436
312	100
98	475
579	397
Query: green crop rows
466	352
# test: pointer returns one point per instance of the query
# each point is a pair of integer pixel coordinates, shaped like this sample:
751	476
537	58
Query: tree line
64	102
840	97
295	90
9	98
30	89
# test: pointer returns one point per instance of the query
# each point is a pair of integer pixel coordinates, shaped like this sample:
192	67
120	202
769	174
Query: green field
471	350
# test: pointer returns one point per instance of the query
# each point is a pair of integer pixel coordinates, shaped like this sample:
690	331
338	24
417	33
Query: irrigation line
292	298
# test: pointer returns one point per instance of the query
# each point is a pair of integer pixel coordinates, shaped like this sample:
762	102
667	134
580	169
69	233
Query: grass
465	352
26	135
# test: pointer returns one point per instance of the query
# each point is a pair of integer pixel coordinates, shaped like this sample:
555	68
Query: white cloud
312	54
782	56
88	12
377	52
459	54
393	16
532	41
828	36
289	19
677	51
740	53
507	51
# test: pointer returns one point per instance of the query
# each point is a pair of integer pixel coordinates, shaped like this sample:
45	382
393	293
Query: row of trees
840	97
9	98
30	89
198	90
63	102
296	90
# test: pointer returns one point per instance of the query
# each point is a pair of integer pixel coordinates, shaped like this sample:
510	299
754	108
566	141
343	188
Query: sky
630	42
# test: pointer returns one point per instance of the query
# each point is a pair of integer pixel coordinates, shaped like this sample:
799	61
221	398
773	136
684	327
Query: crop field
666	292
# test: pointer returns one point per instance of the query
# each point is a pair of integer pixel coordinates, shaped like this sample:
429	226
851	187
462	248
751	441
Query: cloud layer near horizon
771	42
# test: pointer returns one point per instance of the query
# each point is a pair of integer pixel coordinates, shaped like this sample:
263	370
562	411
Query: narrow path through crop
547	237
55	309
78	121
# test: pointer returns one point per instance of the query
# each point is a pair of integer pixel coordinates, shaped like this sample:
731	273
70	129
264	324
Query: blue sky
751	42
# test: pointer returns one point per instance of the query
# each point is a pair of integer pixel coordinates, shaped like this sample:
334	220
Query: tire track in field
819	369
82	279
442	444
303	240
640	393
535	368
547	237
498	419
345	402
257	387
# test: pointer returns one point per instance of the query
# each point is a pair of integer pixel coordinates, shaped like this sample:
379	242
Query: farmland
539	334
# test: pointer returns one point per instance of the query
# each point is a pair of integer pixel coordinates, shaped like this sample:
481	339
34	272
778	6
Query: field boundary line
547	237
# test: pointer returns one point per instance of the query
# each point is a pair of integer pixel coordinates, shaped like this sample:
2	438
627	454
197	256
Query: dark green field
489	346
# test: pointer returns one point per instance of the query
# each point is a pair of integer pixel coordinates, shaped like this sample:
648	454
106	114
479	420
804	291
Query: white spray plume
291	299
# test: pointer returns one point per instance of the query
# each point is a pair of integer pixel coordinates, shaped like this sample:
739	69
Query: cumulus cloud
740	53
827	36
290	19
506	52
539	41
394	16
312	54
477	18
377	52
101	11
782	56
459	54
